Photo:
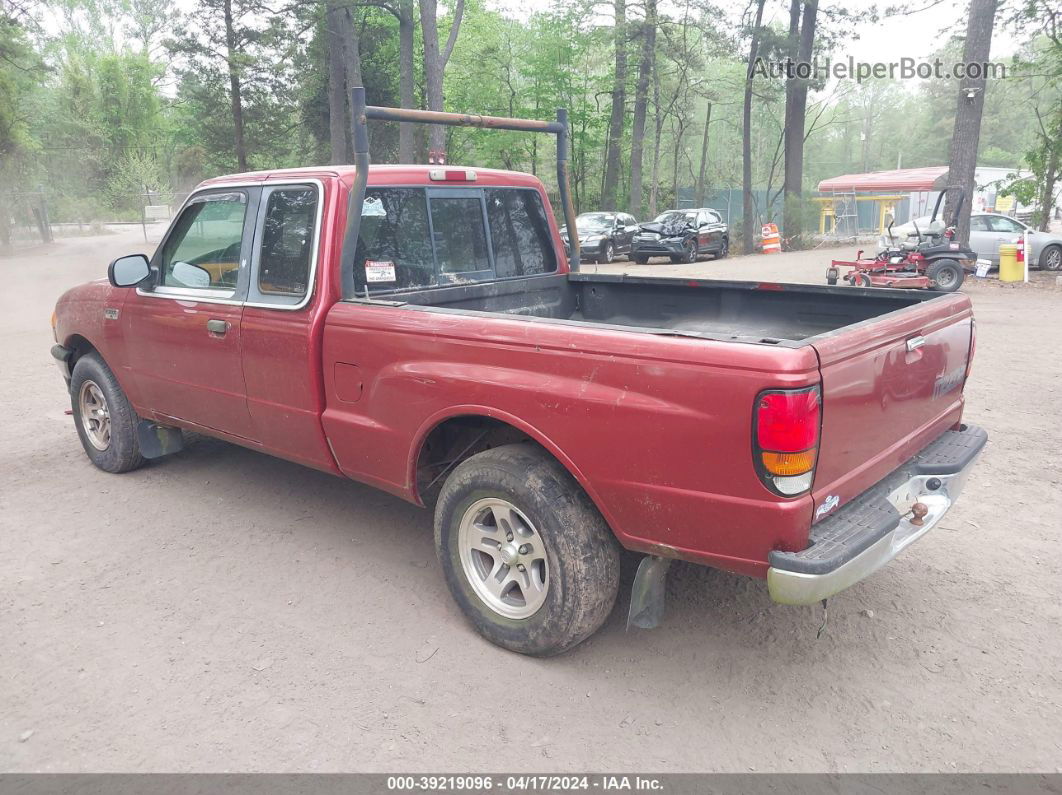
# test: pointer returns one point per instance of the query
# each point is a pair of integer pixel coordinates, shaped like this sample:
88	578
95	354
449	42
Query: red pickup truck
420	329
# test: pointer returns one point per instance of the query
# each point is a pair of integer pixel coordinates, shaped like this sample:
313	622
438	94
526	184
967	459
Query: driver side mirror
128	271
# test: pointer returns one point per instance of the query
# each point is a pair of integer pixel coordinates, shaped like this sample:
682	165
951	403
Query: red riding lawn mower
934	260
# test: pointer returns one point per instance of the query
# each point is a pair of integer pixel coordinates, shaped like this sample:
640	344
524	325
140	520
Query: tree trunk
338	119
619	103
235	88
435	64
747	221
405	77
680	132
704	158
1047	197
962	160
796	103
658	122
352	59
641	102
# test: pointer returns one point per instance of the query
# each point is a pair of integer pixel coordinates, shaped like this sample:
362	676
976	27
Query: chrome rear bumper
877	526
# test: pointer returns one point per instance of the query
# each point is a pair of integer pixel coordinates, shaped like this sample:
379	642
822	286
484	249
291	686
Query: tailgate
889	387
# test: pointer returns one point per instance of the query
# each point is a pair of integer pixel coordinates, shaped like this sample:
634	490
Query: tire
639	260
572	582
831	276
103	417
1051	258
688	255
724	249
608	253
946	274
861	280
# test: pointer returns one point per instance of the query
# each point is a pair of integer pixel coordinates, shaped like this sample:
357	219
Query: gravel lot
222	610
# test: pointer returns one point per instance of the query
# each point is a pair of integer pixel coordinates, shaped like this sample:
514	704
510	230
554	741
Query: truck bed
767	313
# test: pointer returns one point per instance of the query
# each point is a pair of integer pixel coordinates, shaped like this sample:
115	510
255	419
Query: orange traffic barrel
772	241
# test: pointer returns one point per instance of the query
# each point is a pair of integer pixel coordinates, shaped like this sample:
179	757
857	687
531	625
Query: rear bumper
875	527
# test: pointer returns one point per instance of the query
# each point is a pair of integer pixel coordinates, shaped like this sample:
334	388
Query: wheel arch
79	346
466	430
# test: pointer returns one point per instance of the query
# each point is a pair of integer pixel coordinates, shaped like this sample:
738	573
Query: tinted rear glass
397	242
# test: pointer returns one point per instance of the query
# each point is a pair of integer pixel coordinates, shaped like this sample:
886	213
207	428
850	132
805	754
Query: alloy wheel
503	557
95	415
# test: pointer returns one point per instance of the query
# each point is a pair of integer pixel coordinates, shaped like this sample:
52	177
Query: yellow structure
828	211
1010	270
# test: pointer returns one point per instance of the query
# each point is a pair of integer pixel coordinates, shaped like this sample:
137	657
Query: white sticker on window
372	207
376	271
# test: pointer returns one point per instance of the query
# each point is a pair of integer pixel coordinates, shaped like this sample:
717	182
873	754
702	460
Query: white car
987	232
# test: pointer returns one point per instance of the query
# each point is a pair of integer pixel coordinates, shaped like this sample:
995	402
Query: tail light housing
786	424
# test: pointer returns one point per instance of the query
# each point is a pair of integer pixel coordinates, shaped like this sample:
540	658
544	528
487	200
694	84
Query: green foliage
131	93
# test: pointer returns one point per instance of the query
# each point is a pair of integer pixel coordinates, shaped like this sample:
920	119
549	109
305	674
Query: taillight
785	437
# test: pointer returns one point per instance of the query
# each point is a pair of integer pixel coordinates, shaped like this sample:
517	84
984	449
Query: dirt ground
224	611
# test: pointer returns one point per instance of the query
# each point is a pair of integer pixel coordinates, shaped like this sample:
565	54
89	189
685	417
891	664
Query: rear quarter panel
655	428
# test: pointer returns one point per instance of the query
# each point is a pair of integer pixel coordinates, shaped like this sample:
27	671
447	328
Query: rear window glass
394	231
401	251
460	240
519	231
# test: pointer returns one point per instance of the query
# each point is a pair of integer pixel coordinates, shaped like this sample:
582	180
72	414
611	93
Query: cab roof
382	175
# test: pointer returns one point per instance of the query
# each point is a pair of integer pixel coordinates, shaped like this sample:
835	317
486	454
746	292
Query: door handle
915	343
215	326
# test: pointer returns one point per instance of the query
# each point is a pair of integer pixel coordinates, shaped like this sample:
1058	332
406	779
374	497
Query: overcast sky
914	35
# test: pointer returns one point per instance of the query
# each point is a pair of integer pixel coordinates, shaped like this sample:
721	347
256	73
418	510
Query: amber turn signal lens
789	463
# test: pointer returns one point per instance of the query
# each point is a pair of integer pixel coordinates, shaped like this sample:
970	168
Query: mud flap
158	440
647	593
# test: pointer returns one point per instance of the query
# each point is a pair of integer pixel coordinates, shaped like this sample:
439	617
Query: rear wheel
946	274
105	421
526	555
1051	258
639	259
724	249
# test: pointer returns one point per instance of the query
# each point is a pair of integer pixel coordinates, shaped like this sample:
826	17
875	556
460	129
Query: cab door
281	324
183	336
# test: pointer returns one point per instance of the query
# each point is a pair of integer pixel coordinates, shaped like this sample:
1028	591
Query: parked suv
603	236
682	235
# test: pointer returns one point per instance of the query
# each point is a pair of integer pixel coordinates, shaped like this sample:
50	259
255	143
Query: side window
714	217
287	238
394	240
519	231
203	251
460	239
977	224
1001	224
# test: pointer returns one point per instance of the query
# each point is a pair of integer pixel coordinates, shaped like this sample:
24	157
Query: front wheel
526	555
608	253
639	259
104	418
724	249
946	274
